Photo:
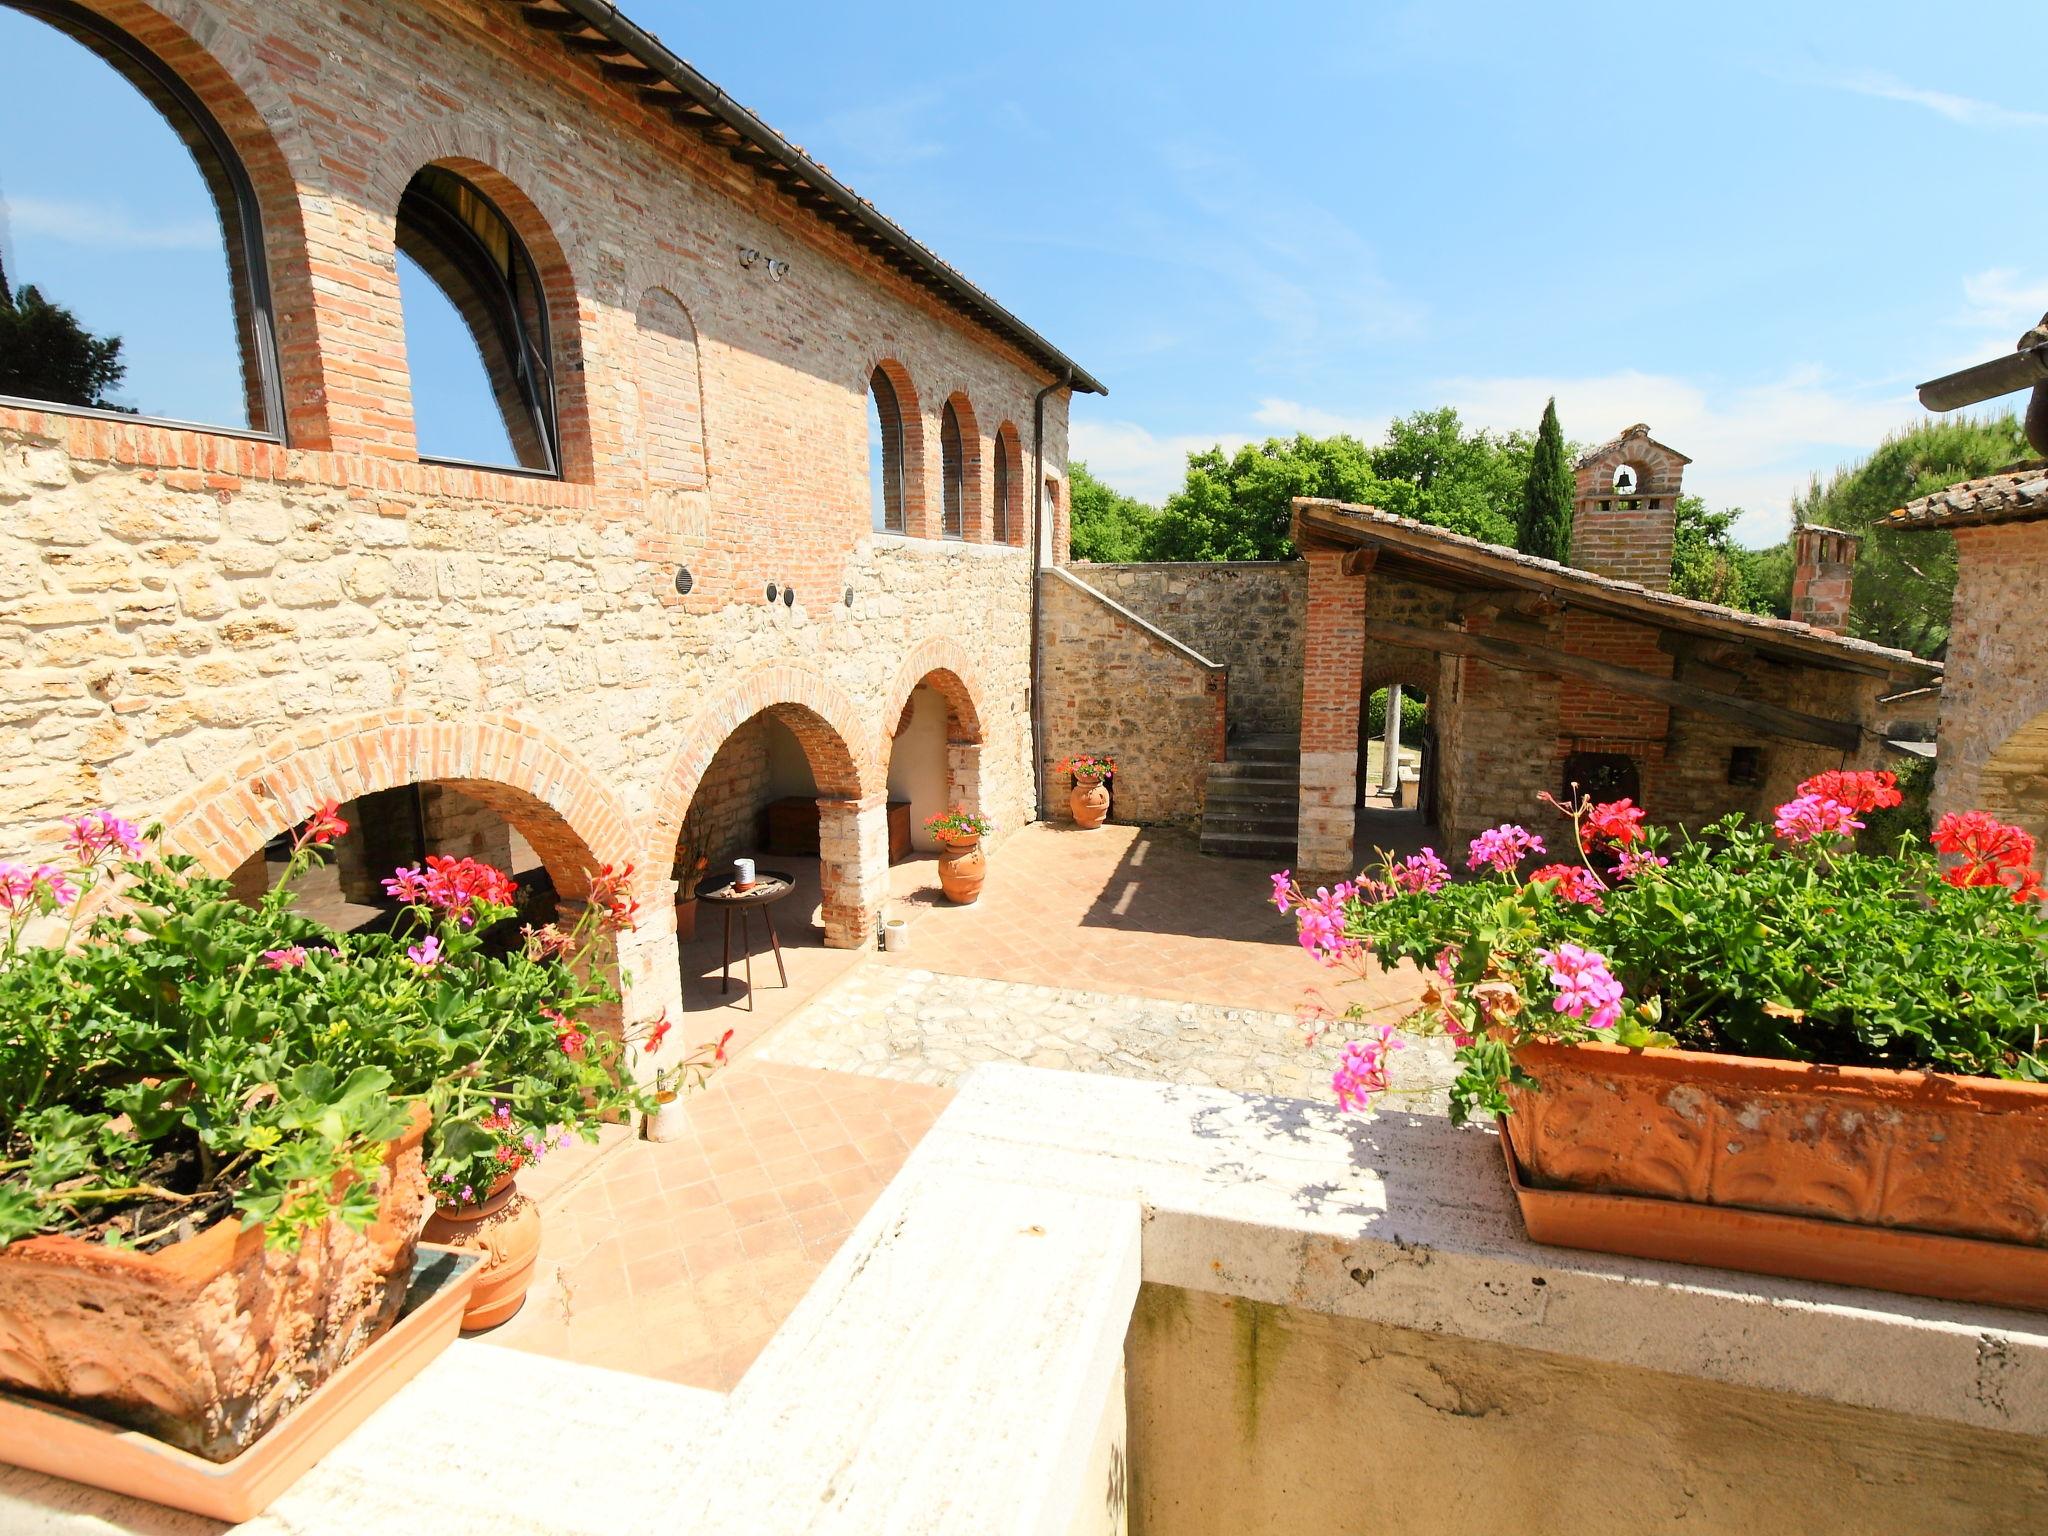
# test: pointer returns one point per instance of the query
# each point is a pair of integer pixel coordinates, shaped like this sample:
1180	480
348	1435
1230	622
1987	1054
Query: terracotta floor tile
803	1196
707	1256
765	1238
749	1209
839	1158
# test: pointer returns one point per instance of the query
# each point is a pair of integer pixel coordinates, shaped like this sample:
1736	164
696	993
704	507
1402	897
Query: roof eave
977	306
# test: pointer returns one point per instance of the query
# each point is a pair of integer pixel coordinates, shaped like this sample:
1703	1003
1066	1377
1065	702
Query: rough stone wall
1248	614
1992	742
221	630
725	815
1627	534
1249	1418
1113	686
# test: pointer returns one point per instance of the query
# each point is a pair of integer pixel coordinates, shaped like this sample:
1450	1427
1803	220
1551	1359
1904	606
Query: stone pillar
853	868
1390	743
1332	675
1823	575
651	971
963	775
464	828
251	880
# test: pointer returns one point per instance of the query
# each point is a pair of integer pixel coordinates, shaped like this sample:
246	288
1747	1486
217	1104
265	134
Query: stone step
1254	773
1248	845
1239	802
1265	749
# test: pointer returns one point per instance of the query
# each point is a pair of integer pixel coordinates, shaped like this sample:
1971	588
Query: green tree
45	354
1238	506
1544	526
1707	563
1433	470
1905	582
1104	524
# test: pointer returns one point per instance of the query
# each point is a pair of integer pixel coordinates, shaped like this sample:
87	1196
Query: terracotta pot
65	1444
205	1343
669	1120
505	1227
1915	1152
686	920
1089	802
962	866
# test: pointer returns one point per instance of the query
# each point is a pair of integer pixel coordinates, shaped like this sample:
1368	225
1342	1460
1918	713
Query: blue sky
1754	227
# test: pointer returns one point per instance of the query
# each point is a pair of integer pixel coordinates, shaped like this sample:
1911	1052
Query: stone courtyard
1121	952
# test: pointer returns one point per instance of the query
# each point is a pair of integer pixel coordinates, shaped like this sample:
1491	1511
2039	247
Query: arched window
131	275
476	329
1003	482
885	454
953	474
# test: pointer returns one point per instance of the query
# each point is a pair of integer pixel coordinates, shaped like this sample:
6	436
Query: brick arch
212	56
1008	523
942	663
529	777
910	413
974	517
548	225
826	723
669	377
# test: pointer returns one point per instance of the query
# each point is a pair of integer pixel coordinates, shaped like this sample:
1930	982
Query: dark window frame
220	166
426	224
889	414
952	476
1002	489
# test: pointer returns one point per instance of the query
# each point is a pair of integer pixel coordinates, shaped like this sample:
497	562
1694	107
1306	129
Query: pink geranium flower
1811	816
1422	873
290	958
1501	848
97	833
1586	989
1362	1068
427	953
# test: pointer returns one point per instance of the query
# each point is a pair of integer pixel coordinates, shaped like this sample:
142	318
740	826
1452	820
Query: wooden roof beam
1770	719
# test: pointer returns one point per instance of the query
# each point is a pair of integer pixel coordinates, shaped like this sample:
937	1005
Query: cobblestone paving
918	1026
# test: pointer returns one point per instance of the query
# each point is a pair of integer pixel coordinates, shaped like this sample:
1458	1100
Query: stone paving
922	1027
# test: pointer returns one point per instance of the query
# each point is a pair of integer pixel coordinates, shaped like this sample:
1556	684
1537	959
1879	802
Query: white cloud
886	133
1967	110
105	225
1137	462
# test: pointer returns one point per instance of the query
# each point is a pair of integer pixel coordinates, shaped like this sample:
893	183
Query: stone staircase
1254	800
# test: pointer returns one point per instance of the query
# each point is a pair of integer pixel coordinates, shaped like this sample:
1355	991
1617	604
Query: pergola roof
1453	561
2014	495
635	60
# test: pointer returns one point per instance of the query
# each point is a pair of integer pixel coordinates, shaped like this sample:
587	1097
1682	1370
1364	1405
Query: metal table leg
768	916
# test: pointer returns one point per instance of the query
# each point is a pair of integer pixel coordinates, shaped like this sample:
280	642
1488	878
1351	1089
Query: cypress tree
1545	525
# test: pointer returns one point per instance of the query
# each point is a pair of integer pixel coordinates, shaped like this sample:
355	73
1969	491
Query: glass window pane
113	261
455	414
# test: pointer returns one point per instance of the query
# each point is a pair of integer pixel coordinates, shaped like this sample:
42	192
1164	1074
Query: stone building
1591	677
686	583
1992	742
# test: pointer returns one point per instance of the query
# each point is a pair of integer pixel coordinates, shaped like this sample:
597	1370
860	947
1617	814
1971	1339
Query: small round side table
769	887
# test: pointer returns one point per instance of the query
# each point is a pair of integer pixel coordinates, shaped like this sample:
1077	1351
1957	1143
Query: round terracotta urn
962	866
505	1227
1089	802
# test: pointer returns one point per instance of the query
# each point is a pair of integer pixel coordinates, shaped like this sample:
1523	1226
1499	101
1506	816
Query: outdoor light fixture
789	597
771	591
849	597
748	256
777	270
684	580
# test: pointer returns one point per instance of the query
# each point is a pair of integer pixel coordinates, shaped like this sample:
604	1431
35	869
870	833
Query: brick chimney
1823	571
1625	509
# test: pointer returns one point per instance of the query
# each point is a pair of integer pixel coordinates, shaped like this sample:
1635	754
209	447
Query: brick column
963	775
853	868
1333	671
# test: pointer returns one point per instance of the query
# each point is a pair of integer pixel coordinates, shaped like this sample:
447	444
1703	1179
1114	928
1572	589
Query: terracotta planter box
205	1343
64	1444
1907	1181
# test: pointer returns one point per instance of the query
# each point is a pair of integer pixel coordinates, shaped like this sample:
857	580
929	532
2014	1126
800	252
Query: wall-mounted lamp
772	591
749	256
684	580
777	270
789	597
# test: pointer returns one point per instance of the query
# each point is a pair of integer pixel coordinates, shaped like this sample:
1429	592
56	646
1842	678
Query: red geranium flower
1860	790
655	1035
610	891
321	828
1618	823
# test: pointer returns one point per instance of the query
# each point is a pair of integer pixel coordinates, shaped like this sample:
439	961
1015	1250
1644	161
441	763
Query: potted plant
1089	798
667	1120
693	857
518	1068
219	1123
1753	1046
962	865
